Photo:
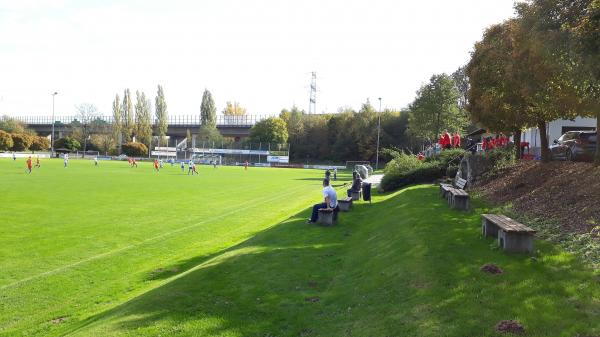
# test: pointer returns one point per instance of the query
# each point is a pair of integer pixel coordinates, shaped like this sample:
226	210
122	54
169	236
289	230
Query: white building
555	129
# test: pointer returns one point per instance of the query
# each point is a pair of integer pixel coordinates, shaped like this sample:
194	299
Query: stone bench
345	204
458	183
327	216
512	236
356	195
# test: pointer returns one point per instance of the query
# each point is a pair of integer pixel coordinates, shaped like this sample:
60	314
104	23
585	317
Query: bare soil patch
491	268
511	326
564	191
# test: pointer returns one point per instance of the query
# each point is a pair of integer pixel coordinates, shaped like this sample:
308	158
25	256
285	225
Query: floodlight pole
52	137
378	127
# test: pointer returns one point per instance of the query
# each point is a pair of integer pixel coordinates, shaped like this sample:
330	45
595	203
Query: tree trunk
597	156
517	141
544	141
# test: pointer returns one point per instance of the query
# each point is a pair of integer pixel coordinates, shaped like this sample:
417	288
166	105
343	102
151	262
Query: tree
11	125
234	109
39	143
6	142
585	29
436	108
208	110
21	141
208	119
461	80
161	116
143	127
117	125
104	142
67	143
135	149
188	138
86	115
128	121
543	62
495	97
271	130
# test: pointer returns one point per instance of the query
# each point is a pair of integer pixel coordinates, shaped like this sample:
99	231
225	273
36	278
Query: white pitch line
99	256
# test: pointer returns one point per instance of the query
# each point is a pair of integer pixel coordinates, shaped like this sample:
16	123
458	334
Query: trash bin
366	192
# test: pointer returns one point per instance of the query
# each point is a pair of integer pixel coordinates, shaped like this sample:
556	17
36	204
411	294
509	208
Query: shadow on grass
404	265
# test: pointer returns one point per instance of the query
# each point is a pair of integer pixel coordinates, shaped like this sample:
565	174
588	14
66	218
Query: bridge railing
222	120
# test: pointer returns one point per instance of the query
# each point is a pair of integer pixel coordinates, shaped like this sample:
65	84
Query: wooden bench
458	182
345	204
512	236
455	193
327	216
458	198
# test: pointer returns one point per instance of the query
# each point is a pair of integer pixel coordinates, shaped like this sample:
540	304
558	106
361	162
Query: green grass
128	252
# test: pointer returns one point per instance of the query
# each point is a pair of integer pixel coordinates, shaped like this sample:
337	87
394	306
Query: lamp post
378	128
52	137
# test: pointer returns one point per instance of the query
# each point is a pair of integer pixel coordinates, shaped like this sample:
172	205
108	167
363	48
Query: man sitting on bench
356	183
330	201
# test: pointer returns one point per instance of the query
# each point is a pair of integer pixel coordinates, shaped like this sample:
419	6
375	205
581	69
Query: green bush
402	163
451	157
426	173
68	143
406	170
21	141
451	171
6	141
134	149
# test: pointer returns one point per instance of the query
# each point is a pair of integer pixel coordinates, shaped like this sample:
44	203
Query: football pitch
76	241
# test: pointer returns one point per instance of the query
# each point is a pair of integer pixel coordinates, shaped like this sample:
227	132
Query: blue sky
259	53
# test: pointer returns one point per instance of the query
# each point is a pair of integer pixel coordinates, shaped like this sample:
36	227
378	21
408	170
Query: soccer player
335	173
37	162
29	164
156	165
214	164
191	167
194	169
160	163
133	162
96	161
66	160
14	156
182	166
246	165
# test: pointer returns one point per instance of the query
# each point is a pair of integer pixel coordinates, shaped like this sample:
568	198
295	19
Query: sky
259	53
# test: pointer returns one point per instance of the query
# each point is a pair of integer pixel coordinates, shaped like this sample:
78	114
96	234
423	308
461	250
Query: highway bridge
236	127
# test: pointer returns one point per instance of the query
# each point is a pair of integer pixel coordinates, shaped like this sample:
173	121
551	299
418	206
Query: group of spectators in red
447	141
490	143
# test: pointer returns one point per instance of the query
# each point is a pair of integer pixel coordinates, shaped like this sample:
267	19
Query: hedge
134	149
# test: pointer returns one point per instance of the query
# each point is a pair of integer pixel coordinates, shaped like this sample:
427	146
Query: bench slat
507	223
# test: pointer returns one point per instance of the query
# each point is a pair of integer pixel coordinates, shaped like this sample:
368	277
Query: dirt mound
491	268
513	327
565	191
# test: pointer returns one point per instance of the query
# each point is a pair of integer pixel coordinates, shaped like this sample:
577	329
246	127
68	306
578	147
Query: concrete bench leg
488	228
355	195
325	218
345	206
515	242
460	202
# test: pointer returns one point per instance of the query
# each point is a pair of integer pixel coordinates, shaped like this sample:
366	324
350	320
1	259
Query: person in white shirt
66	159
330	201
